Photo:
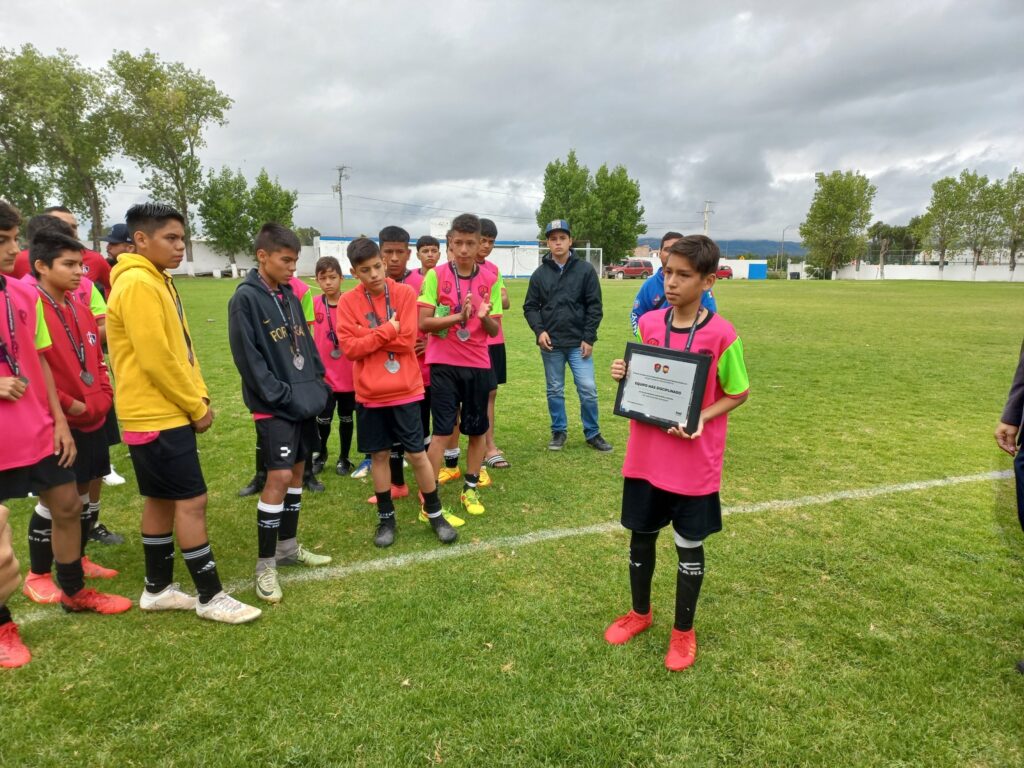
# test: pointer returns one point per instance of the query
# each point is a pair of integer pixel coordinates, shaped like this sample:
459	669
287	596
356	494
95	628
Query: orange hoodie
369	344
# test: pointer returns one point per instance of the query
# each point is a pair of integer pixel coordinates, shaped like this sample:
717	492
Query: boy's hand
585	349
420	346
681	432
204	423
485	308
63	444
12	388
77	408
467	308
544	341
619	369
394	321
1006	437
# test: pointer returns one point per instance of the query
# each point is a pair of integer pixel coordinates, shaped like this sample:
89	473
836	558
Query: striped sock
159	551
203	569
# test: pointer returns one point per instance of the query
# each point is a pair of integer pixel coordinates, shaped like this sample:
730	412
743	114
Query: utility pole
708	210
342	175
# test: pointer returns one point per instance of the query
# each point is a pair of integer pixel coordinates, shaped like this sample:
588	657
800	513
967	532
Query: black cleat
343	467
385	535
557	441
103	535
445	533
255	485
598	443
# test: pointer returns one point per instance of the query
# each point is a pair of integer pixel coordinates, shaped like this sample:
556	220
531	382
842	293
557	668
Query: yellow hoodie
156	387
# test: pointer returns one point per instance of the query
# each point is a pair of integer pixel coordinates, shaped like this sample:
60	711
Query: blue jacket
652	295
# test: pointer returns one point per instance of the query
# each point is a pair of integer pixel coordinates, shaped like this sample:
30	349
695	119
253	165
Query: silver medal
392	366
463	334
335	354
23	380
87	378
299	362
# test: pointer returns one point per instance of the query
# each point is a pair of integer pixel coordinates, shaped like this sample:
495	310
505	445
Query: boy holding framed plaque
673	475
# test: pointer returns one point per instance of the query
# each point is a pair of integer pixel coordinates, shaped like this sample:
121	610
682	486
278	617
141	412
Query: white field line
338	572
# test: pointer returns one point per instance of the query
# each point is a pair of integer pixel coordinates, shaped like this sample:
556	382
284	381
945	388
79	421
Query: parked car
639	268
724	272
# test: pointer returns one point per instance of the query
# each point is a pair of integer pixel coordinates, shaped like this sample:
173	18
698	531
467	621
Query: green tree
567	195
306	234
1011	211
616	217
64	105
979	220
224	209
834	230
25	180
939	229
269	201
160	111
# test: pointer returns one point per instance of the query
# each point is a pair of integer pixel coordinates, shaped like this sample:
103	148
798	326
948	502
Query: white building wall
986	273
205	261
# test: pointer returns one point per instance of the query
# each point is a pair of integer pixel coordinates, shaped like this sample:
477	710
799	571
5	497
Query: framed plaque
664	387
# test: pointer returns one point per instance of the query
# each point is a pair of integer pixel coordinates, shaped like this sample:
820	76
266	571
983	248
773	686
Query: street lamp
782	245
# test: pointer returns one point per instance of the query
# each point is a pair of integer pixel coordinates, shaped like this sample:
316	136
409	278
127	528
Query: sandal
497	461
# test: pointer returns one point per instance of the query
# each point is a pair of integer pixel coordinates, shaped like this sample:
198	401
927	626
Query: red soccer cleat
682	650
397	492
91	600
13	652
40	588
625	628
95	571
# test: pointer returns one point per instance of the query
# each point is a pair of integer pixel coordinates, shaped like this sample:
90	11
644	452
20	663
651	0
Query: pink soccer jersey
338	367
500	338
443	287
28	418
414	280
689	467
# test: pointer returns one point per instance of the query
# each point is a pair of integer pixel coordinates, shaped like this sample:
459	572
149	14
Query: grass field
875	631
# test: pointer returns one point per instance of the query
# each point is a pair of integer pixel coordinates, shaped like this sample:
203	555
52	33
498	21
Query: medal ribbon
387	310
10	355
289	321
79	346
169	283
689	338
332	336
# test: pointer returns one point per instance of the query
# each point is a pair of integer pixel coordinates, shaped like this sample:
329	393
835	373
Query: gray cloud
460	105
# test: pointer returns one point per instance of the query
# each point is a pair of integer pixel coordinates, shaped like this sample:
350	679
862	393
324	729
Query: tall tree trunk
1013	259
190	266
95	212
942	261
882	250
974	264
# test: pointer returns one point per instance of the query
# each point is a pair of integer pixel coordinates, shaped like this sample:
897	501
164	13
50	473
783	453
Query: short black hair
325	263
466	223
10	217
43	221
149	217
274	237
57	209
670	236
488	228
700	250
47	245
361	249
393	235
426	240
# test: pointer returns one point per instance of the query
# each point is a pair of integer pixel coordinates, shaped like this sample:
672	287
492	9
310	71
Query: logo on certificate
657	367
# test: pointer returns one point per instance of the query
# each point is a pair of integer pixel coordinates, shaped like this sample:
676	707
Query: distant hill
733	248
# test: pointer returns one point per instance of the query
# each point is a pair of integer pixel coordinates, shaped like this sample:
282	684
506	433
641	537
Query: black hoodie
564	302
263	351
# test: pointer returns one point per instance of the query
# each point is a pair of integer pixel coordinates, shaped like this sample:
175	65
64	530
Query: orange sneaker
625	628
40	588
95	571
397	492
13	652
91	600
448	474
682	650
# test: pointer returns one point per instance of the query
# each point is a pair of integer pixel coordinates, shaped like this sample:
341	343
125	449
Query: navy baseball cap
558	225
117	234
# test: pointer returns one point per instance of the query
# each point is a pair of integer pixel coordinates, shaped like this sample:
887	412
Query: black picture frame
701	364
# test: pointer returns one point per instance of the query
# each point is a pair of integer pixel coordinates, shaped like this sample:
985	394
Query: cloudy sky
458	105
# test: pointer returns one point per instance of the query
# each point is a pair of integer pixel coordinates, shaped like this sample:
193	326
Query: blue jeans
583	374
1018	471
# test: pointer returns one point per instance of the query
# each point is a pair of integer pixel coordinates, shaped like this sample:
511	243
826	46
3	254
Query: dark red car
630	268
724	272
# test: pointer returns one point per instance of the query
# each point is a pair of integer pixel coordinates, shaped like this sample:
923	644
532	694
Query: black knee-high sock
5	615
203	569
432	503
642	556
689	577
451	457
70	577
268	526
159	551
323	428
397	463
385	506
290	514
40	546
346	427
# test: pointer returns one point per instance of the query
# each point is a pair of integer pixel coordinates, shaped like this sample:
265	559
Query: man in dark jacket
1008	435
283	386
563	307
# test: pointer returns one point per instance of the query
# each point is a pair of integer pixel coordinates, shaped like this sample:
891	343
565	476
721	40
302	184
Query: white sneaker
226	609
171	598
113	478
